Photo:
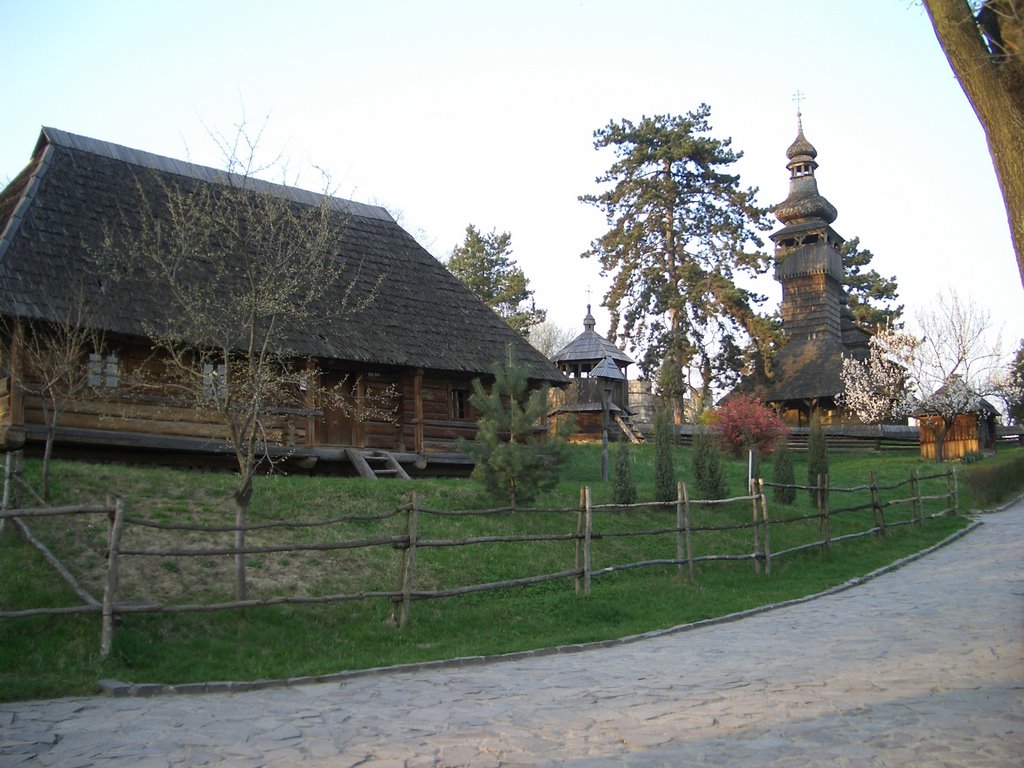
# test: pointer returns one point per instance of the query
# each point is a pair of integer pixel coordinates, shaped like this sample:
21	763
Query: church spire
804	202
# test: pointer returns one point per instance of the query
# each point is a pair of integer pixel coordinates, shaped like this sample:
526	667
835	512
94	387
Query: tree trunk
242	498
47	455
994	85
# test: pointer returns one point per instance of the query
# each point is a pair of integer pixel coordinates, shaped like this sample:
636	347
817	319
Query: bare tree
984	43
550	338
956	339
59	361
244	271
957	362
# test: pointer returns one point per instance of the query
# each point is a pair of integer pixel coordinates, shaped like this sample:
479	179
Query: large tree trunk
994	85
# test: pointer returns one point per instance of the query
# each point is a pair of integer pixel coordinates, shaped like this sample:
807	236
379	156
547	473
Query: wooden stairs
374	465
629	428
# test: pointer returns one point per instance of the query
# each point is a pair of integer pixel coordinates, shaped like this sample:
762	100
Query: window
215	380
103	370
460	404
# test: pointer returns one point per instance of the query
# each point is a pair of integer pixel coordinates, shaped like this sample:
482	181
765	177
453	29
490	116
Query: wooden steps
374	464
629	428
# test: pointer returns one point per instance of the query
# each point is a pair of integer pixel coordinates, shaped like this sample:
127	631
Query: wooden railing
690	524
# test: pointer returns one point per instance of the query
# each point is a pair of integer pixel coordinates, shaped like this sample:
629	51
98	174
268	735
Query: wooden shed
423	335
969	432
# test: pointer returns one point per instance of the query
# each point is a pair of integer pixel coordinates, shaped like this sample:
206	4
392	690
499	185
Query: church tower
805	378
807	260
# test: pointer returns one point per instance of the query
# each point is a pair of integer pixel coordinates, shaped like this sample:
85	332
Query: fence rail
688	532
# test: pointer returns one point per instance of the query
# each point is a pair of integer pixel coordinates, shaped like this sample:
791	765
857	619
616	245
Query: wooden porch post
417	396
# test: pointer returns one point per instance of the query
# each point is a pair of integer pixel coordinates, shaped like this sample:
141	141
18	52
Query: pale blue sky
452	113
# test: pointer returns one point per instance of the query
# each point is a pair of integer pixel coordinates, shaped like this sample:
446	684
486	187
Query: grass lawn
58	656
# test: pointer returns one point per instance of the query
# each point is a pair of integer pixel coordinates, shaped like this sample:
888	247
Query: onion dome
804	204
801	148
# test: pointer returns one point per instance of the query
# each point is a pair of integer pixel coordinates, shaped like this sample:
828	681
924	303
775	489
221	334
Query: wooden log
767	532
580	527
826	532
680	542
57	565
757	528
952	482
588	531
112	587
686	526
409	558
876	505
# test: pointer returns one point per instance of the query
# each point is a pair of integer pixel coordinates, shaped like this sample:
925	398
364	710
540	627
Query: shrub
706	462
664	469
817	460
971	457
993	482
783	474
744	423
623	486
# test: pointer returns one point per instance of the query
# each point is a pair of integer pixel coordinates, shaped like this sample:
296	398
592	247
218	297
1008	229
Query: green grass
58	656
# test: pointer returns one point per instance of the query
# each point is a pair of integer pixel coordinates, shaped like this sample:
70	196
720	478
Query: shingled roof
76	188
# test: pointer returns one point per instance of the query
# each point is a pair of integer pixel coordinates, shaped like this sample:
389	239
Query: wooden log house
424	334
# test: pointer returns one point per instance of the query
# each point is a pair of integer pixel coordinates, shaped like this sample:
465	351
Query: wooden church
597	398
805	378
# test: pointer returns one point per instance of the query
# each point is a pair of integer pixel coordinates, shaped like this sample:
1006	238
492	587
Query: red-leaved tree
743	423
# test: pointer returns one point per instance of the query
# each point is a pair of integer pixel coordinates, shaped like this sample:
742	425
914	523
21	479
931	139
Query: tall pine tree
683	237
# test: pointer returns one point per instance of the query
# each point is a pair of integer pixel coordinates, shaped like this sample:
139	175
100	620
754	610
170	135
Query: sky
450	113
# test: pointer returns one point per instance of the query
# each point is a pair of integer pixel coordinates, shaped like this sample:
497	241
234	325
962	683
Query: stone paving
921	666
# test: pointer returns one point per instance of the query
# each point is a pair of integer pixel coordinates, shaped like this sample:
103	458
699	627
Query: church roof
76	189
802	370
590	347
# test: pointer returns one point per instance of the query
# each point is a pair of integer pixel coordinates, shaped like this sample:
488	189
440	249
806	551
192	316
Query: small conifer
664	468
817	460
783	474
623	486
706	462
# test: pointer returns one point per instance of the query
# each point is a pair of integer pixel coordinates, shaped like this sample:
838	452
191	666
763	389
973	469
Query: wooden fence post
588	531
686	528
876	504
767	536
954	491
916	505
824	523
680	543
412	521
581	525
6	503
115	524
757	527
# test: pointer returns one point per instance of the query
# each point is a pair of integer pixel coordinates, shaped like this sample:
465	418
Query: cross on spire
798	97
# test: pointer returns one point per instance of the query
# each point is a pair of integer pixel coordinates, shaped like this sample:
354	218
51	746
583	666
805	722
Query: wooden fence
755	524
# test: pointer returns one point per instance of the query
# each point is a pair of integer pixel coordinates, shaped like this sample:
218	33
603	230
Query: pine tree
783	474
817	460
872	297
664	467
706	462
623	486
511	460
484	264
684	236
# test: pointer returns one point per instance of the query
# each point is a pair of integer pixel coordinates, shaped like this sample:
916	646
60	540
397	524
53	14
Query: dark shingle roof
77	188
801	370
